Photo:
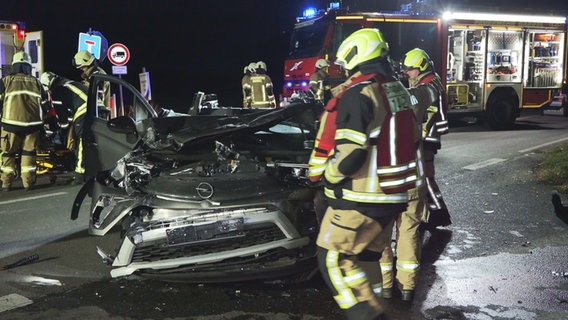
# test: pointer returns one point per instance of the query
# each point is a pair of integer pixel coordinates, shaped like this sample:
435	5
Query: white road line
542	145
13	301
34	197
484	164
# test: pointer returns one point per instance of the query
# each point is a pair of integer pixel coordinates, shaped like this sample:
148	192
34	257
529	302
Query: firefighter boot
407	295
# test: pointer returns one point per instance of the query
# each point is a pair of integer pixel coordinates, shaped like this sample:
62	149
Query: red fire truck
493	65
13	38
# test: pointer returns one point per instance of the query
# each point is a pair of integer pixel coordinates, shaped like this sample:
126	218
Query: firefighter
262	94
420	70
318	87
23	103
70	101
88	64
246	84
408	238
367	174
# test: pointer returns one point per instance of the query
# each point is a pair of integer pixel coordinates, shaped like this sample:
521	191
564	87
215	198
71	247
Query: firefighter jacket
374	144
23	103
430	107
318	86
247	88
70	100
262	94
104	91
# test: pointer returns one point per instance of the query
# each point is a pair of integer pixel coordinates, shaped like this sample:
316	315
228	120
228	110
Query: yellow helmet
251	67
362	45
261	65
21	57
47	78
416	59
83	58
322	63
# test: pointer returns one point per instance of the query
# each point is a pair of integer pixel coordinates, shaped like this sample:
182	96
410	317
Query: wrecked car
218	195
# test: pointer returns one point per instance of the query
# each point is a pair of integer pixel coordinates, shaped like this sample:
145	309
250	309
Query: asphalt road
504	256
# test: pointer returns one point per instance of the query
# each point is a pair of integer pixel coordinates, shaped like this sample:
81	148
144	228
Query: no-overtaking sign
118	54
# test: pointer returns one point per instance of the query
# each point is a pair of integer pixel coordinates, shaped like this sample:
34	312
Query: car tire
501	114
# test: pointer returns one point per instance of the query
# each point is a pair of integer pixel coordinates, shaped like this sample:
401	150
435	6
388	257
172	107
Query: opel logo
204	190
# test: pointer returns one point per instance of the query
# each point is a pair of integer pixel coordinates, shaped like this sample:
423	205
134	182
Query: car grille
252	236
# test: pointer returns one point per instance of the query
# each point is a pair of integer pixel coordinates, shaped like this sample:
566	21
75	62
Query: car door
106	139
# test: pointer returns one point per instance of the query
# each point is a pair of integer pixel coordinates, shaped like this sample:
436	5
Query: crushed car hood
184	132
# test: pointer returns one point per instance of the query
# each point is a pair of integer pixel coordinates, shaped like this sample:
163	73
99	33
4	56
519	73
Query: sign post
118	55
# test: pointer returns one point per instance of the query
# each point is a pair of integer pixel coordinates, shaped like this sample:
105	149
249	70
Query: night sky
187	45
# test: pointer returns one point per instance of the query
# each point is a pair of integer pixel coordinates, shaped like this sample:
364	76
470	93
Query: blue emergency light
309	13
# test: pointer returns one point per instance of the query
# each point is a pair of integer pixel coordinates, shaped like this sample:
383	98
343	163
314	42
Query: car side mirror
122	124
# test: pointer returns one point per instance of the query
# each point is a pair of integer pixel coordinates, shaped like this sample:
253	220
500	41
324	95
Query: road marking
542	145
484	164
34	197
13	301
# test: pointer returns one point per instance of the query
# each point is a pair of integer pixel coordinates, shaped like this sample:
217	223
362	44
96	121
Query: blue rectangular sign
90	43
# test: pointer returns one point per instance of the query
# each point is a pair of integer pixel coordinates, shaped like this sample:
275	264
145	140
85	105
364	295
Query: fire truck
493	65
14	38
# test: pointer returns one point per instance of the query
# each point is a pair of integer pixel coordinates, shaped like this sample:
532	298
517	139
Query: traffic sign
118	54
91	43
119	70
145	88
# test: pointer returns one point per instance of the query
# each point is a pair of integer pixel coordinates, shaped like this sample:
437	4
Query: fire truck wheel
501	114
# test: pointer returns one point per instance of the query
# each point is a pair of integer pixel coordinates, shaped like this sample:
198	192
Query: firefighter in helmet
70	101
427	86
262	93
23	105
426	89
363	202
88	64
318	87
246	84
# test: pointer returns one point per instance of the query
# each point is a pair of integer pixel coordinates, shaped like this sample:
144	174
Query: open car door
107	140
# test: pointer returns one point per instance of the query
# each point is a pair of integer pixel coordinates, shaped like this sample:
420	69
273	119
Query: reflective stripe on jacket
22	100
373	124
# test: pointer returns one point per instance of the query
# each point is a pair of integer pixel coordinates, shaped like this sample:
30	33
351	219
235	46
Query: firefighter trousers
407	245
25	145
349	247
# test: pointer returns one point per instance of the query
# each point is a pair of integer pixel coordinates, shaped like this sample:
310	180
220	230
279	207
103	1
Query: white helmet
83	58
321	63
251	67
21	57
47	79
261	65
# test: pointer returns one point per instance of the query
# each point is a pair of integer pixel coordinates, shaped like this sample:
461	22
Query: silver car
219	194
